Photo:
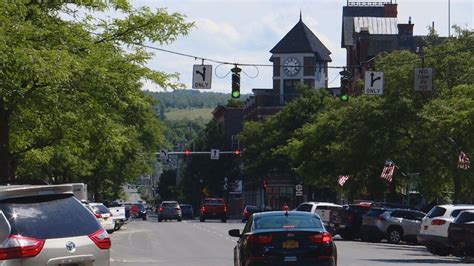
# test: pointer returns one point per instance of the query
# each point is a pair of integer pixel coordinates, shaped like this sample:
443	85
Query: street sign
214	154
299	193
373	83
164	155
202	76
423	79
299	187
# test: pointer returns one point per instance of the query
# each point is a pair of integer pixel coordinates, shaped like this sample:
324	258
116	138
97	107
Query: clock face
291	66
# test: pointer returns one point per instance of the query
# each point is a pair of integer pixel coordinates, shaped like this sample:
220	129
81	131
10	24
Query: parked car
434	227
461	234
213	208
353	220
281	237
169	210
248	211
331	214
118	215
187	211
47	225
391	224
103	215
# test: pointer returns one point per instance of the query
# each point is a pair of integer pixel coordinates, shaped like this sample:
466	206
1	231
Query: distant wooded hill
185	99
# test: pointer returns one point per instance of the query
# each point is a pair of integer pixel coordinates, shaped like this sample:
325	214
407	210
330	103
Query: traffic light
264	184
237	152
236	82
345	80
187	152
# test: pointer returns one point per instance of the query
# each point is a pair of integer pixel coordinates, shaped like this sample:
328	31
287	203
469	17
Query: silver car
392	224
47	225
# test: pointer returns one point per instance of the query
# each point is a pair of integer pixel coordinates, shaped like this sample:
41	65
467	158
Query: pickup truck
331	214
119	217
461	234
213	208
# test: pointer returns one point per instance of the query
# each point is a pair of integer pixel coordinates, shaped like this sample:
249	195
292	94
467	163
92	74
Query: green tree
71	105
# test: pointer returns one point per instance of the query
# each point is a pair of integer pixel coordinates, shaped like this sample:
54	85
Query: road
208	244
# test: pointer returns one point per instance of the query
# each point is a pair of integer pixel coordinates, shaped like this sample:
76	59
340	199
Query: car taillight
98	215
324	238
161	209
101	239
438	222
203	209
260	239
16	247
225	208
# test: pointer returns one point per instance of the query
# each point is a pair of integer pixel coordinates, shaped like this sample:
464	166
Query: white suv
434	227
330	213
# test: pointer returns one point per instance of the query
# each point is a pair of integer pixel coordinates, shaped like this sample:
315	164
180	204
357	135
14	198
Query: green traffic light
236	94
344	97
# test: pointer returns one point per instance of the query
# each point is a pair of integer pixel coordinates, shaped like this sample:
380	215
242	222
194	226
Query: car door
239	250
411	223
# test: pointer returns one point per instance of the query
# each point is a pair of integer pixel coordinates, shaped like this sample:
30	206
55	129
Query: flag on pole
342	179
463	161
388	169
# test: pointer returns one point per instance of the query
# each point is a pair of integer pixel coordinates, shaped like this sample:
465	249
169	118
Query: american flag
342	179
388	169
463	161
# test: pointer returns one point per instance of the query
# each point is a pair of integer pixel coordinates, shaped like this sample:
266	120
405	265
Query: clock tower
300	57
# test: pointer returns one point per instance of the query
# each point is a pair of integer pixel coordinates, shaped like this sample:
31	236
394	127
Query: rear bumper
433	240
214	215
170	216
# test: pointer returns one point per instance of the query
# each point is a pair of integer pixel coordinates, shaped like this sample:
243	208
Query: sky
244	31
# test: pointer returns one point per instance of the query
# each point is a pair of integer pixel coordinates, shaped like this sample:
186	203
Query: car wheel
442	251
202	219
347	235
394	235
144	218
224	220
179	219
159	220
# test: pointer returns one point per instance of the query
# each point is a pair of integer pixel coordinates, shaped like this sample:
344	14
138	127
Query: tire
347	235
159	220
442	251
202	219
144	218
394	235
224	220
180	219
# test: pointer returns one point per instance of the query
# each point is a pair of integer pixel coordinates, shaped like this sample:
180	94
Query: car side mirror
235	233
5	228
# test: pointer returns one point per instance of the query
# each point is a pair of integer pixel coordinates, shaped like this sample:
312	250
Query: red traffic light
187	152
264	184
237	152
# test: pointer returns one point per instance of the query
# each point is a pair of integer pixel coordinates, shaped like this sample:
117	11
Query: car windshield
100	209
169	204
287	222
436	212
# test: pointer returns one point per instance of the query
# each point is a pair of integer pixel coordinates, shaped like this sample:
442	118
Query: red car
213	208
248	211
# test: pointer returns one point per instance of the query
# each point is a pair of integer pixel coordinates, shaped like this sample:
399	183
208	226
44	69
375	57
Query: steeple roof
300	39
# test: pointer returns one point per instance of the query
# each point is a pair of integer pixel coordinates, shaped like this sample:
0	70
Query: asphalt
193	243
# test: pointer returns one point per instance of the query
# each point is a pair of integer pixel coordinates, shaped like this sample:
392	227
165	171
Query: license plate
291	244
290	259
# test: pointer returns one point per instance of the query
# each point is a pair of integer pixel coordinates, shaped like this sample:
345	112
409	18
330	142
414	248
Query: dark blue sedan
284	238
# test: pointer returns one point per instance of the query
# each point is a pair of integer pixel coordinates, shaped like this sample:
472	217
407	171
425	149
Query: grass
190	114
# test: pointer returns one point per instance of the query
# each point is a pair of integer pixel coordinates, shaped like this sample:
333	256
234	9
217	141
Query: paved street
195	243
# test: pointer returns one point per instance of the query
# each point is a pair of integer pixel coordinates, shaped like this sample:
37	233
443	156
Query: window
51	216
276	66
309	66
304	207
436	212
398	214
455	213
465	217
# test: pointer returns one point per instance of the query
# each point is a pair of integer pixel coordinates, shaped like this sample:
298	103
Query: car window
169	204
374	212
46	217
100	209
213	202
398	214
436	212
465	217
253	208
332	208
284	221
455	213
322	207
304	207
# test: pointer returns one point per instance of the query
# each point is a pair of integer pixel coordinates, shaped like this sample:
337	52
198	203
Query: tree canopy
71	105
